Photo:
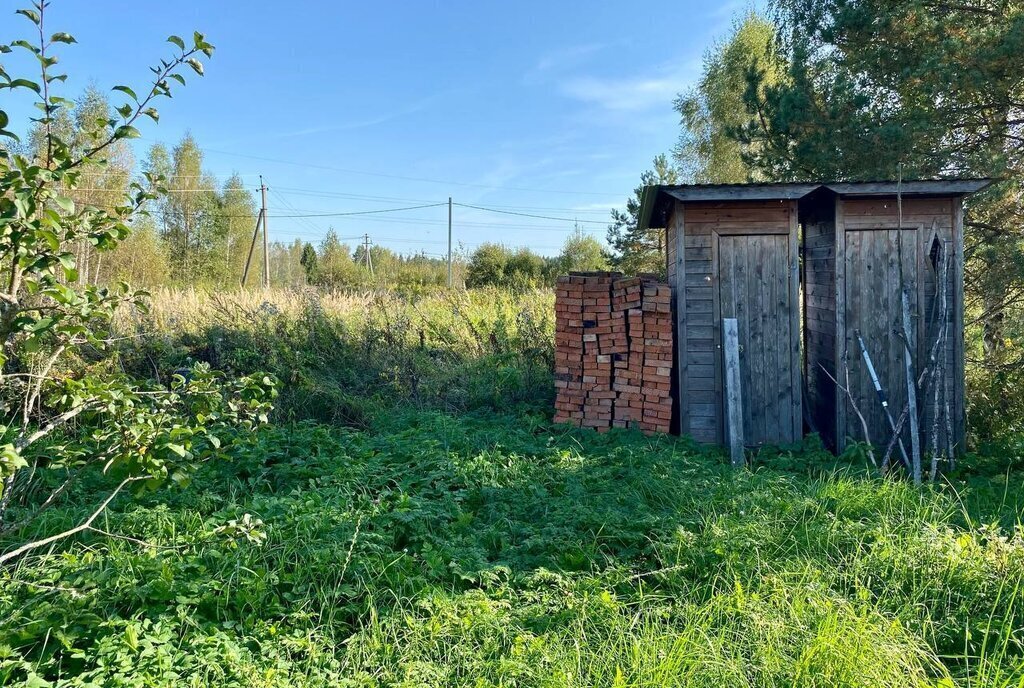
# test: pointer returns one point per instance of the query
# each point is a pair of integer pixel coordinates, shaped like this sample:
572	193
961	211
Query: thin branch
86	525
856	409
60	420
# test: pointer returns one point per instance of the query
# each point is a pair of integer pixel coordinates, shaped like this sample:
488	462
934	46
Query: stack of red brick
613	352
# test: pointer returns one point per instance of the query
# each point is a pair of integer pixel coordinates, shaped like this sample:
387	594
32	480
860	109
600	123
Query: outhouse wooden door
757	275
872	307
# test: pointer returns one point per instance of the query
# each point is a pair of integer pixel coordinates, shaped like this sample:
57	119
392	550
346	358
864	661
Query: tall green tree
714	110
931	86
334	263
308	260
235	219
581	252
633	250
190	213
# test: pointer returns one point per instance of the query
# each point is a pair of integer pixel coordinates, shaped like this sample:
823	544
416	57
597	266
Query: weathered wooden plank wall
868	300
819	285
737	259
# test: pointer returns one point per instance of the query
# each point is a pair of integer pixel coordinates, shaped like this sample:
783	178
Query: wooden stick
908	364
733	390
939	350
856	409
881	398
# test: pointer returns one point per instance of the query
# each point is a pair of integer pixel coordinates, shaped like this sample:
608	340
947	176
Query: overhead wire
426	180
542	217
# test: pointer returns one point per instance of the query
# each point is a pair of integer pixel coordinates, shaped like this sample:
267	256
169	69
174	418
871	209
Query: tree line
199	230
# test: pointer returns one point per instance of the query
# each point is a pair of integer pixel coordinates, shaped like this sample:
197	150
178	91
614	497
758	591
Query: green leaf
62	37
196	65
25	45
25	83
50	238
128	91
152	114
125	110
178	449
10	460
126	132
176	40
31	14
131	636
64	203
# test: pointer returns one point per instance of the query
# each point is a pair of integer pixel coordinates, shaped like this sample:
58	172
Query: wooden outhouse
853	247
805	268
733	252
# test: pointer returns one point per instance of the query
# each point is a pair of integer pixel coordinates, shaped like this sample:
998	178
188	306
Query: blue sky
542	108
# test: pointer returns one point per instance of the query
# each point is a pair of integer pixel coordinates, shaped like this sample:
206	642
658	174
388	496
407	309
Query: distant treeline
200	231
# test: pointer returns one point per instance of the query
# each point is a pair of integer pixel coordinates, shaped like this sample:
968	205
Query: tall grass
416	520
343	357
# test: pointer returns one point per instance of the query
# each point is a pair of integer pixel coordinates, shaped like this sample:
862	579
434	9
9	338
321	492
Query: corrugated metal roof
655	199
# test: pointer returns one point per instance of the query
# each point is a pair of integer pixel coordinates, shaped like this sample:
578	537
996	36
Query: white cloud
412	108
564	58
636	93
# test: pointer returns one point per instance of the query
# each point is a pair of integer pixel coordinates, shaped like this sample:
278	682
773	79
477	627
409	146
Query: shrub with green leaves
58	419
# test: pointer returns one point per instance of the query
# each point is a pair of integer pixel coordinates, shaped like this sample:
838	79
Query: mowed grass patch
498	550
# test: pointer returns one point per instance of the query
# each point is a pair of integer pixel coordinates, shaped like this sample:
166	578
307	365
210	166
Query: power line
427	180
368	212
541	217
305	191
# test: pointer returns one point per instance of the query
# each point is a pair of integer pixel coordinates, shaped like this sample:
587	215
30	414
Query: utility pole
252	247
260	220
367	259
449	242
266	240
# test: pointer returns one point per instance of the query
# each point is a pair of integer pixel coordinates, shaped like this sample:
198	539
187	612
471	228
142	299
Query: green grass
411	518
483	549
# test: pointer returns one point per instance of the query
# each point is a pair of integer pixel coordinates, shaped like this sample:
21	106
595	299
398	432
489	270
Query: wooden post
957	329
266	240
733	390
908	361
679	289
252	247
449	242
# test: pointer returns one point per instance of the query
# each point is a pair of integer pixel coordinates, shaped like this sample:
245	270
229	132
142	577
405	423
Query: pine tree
308	262
636	251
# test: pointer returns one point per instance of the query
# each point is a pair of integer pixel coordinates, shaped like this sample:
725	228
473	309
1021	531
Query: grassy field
412	518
